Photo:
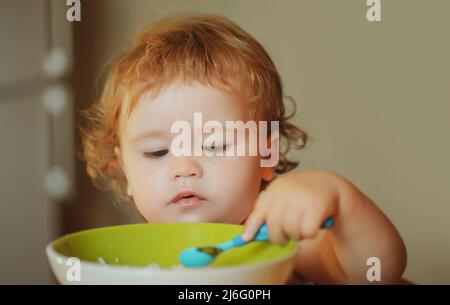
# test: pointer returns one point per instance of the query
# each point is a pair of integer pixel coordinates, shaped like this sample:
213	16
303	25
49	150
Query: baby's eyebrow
147	134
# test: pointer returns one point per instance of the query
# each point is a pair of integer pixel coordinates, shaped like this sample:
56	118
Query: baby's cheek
150	196
241	178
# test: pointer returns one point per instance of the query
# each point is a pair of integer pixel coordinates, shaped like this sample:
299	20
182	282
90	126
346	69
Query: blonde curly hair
193	47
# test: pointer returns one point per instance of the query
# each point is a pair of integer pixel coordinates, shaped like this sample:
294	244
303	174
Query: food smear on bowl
152	266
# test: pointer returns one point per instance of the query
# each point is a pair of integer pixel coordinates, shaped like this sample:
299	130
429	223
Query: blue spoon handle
328	223
262	234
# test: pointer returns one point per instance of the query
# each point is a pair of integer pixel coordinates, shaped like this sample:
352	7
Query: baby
190	66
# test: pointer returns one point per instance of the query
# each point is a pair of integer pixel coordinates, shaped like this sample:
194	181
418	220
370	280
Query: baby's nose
186	168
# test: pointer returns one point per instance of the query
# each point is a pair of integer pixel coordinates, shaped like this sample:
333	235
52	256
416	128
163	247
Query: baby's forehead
188	101
182	96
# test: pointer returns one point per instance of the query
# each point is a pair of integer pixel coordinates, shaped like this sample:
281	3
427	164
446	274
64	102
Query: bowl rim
53	255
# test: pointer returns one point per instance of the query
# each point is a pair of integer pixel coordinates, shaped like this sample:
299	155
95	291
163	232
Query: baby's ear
119	158
275	139
268	173
118	154
129	191
270	162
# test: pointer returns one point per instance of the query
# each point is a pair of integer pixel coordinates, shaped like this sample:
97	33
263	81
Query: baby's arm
339	254
360	231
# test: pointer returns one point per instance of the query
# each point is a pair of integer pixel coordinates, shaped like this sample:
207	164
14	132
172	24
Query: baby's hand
294	205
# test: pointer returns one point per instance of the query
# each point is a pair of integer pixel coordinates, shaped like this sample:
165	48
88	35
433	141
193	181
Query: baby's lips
183	194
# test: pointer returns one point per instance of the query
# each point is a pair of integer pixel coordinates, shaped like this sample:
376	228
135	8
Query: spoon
195	257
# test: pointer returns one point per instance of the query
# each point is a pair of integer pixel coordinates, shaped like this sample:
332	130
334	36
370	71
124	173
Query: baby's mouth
187	198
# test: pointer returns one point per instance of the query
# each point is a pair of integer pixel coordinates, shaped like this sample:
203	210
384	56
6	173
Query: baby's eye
156	154
214	148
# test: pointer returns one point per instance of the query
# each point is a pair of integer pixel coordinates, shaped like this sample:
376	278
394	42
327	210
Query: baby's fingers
274	219
257	217
292	223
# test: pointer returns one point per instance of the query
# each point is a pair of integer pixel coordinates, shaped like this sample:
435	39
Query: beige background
32	141
374	96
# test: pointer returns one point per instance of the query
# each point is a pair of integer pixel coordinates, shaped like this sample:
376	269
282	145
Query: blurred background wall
374	96
36	149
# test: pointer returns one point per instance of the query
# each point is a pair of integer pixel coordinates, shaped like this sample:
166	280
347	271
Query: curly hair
209	49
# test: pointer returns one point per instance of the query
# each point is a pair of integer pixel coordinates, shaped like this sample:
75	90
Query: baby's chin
192	217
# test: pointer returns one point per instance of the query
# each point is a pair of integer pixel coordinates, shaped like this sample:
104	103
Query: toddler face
224	187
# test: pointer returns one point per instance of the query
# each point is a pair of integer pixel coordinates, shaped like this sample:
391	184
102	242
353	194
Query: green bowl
149	254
